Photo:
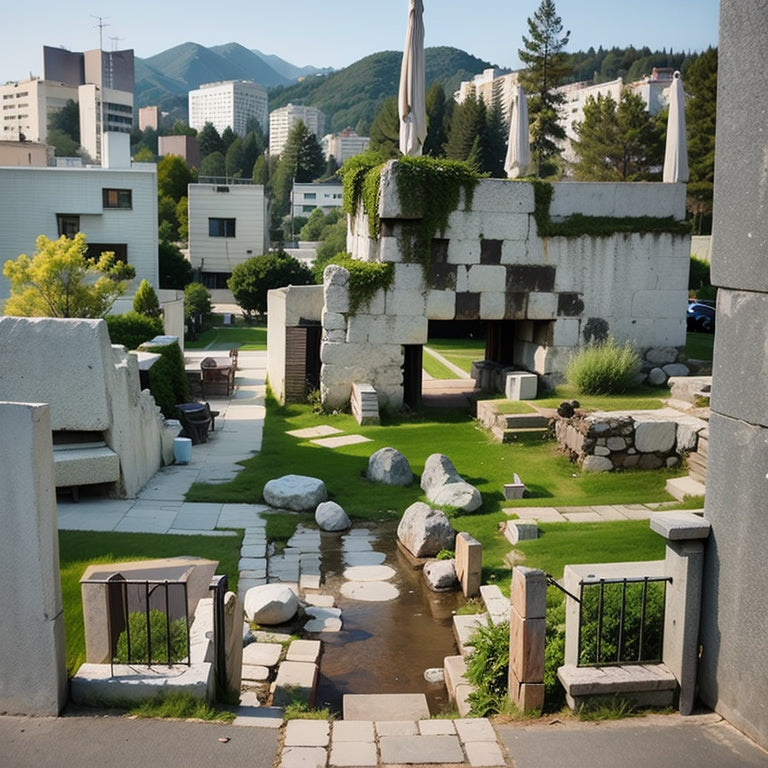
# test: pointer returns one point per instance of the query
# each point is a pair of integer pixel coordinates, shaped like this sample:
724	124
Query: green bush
145	302
157	635
488	669
168	379
603	368
133	329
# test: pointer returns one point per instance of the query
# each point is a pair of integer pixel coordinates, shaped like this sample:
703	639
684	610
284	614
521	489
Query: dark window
221	227
119	249
68	224
117	198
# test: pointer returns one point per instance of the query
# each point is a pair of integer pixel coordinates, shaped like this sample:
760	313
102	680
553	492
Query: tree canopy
252	279
60	280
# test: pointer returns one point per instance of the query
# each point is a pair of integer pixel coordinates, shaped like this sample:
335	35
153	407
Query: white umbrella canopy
676	152
412	98
518	147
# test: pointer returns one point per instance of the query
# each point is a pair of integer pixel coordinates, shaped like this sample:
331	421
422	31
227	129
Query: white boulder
445	487
270	604
390	467
295	492
440	575
330	516
424	531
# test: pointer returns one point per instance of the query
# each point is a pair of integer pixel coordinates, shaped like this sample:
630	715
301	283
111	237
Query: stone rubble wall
640	439
491	264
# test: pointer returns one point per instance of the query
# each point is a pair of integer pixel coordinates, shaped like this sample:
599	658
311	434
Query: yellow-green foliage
365	278
603	368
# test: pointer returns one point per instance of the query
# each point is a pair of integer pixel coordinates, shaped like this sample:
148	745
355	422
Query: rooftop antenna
100	131
101	26
116	42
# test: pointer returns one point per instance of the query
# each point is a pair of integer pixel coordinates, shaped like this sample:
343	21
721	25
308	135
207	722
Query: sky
308	32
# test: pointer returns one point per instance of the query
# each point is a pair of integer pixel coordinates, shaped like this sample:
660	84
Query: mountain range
346	96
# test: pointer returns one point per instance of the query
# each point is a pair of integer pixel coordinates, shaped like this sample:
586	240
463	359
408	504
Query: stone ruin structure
536	298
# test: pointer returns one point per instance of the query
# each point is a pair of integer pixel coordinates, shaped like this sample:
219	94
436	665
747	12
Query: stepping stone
340	442
386	706
307	733
484	753
262	654
370	591
295	678
318	612
308	581
322	601
254	673
353	730
369	573
304	650
323	625
420	749
303	757
353	559
320	431
353	753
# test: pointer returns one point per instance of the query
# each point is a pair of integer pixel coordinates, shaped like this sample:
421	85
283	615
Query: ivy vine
365	279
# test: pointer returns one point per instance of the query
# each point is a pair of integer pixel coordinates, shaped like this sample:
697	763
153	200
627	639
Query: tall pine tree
546	65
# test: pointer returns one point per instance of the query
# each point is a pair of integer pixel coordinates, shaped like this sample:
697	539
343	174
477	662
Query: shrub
132	329
168	379
157	635
145	302
603	368
198	309
488	669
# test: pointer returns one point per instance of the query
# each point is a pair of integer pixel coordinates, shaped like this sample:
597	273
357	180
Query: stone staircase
507	427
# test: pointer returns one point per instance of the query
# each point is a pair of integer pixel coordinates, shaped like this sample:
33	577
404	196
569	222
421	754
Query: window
310	195
67	224
117	198
94	250
221	227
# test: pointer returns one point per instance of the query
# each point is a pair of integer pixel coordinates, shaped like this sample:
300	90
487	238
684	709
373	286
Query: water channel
384	646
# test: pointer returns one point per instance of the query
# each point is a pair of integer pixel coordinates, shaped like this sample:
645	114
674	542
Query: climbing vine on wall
365	279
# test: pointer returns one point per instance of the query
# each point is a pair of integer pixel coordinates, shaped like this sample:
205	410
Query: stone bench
84	463
650	685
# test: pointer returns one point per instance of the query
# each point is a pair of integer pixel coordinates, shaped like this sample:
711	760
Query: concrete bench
650	685
84	463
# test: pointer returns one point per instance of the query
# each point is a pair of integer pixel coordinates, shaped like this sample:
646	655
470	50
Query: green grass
79	549
643	398
435	368
180	706
245	337
699	346
460	352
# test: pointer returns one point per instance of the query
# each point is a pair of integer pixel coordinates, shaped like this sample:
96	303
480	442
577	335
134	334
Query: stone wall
733	666
491	264
641	439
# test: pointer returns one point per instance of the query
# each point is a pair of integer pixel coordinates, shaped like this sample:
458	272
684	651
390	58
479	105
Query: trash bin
182	450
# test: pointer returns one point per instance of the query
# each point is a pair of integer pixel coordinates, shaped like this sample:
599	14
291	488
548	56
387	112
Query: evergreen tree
67	120
496	135
467	129
546	67
260	173
209	141
301	161
385	130
214	166
228	136
617	142
235	159
438	119
700	113
145	301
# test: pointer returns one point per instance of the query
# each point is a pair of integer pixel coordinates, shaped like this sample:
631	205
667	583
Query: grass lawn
245	337
460	352
700	346
79	549
435	368
643	398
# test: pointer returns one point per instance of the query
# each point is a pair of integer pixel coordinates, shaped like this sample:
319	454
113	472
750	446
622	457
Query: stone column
527	628
33	675
469	563
683	563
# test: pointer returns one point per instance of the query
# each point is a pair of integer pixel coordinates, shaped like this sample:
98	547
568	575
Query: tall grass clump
603	368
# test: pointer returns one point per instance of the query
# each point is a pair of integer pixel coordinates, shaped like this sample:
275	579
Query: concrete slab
254	673
397	728
370	591
340	442
309	581
542	514
263	654
608	512
475	729
307	733
436	727
323	625
321	431
484	753
353	730
369	573
295	677
464	628
303	757
583	517
304	650
420	749
259	717
323	601
352	559
353	753
385	706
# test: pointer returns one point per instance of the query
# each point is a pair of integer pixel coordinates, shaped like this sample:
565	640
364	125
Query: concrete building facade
489	85
228	224
342	146
115	208
228	104
326	195
282	121
24	153
187	147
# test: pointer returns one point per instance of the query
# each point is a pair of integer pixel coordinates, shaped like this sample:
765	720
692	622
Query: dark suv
700	316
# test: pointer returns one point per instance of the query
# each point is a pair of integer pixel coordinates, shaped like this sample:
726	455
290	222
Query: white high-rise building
228	104
342	146
282	120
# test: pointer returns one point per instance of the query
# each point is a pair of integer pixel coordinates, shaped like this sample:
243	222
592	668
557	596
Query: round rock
370	591
296	492
329	516
270	604
597	464
459	495
440	575
424	531
390	467
369	573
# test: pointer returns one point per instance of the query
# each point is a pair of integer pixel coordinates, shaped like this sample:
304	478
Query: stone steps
510	435
682	487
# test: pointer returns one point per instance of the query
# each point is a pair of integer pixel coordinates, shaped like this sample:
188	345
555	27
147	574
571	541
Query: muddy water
383	647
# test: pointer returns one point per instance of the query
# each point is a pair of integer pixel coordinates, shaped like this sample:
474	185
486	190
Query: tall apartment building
228	104
489	85
149	117
100	82
342	146
282	121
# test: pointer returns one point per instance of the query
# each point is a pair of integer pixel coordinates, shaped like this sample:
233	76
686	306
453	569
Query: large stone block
528	592
503	196
493	305
408	277
441	305
406	302
484	277
526	647
617	199
660	304
469	563
513	229
542	306
655	436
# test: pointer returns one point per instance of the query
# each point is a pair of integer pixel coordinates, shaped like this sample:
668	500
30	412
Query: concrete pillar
683	563
527	628
469	563
33	675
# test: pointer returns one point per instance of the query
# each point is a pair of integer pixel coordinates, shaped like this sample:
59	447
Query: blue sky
338	34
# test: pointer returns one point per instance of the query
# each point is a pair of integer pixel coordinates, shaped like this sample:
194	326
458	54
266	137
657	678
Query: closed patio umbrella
518	147
411	100
676	152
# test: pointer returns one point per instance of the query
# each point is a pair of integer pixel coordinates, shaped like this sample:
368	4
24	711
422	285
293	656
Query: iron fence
621	621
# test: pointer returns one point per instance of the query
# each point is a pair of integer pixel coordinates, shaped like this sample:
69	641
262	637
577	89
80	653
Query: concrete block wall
491	264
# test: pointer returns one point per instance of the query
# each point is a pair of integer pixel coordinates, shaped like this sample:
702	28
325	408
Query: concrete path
595	514
460	372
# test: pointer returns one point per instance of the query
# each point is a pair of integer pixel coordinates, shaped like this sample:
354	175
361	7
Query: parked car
700	316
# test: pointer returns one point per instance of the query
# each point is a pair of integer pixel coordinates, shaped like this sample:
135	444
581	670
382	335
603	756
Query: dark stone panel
569	305
596	329
467	306
387	227
516	305
530	277
442	277
490	251
439	250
